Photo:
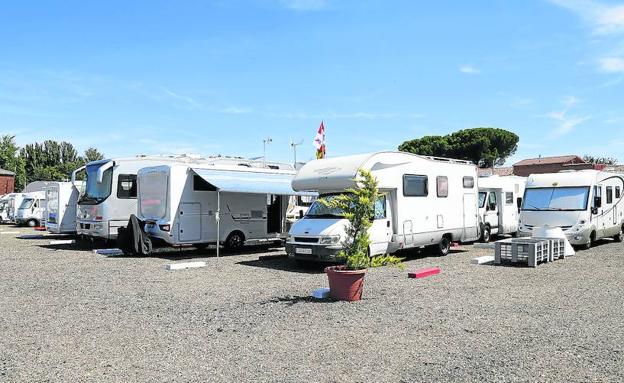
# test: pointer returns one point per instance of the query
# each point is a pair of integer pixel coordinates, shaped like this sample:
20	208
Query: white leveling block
185	265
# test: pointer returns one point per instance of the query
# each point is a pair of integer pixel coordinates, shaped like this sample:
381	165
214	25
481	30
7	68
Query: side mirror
597	202
300	214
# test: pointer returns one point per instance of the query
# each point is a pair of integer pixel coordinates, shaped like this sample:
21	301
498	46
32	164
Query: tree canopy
46	161
486	147
600	160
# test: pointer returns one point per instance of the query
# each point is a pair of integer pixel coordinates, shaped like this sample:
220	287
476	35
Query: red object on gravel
421	273
345	285
40	228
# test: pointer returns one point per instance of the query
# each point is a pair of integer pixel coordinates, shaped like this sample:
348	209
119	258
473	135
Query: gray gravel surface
70	315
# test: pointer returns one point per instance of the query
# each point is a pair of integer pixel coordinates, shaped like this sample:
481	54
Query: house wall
7	184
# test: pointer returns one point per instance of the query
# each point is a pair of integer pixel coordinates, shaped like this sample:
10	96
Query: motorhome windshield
96	192
26	203
556	199
482	196
320	210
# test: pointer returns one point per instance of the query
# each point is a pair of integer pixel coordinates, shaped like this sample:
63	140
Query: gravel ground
67	314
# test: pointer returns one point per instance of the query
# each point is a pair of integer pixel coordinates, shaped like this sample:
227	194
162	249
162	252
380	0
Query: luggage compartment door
189	222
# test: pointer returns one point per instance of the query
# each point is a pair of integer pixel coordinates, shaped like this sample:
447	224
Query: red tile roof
550	160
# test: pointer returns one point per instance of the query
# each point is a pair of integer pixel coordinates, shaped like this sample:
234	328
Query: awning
249	182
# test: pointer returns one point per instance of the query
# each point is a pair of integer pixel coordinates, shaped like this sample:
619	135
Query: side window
415	186
442	186
468	182
618	192
36	204
380	207
200	184
492	200
609	194
509	198
127	186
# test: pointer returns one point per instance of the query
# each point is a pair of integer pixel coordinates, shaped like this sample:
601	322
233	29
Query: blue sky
217	77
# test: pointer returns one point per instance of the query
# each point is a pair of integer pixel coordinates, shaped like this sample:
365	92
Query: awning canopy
249	182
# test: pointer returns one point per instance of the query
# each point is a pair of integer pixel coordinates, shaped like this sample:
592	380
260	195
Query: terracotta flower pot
345	285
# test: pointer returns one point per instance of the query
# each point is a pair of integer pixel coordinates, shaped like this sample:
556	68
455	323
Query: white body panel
409	220
172	200
599	211
34	211
62	203
500	199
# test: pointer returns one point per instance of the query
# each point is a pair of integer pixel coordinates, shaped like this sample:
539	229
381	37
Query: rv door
381	229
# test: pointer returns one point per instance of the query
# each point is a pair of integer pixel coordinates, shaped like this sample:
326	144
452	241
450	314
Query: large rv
425	201
200	203
13	202
4	209
62	202
31	211
587	205
500	199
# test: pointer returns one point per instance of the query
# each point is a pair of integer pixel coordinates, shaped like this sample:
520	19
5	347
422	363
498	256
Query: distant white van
62	202
500	199
31	211
426	201
588	205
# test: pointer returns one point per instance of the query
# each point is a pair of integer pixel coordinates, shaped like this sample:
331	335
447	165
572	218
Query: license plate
300	250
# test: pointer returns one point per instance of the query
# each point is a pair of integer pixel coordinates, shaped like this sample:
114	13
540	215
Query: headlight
329	240
289	238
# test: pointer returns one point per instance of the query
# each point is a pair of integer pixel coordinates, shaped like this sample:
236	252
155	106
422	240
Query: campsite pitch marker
422	273
185	265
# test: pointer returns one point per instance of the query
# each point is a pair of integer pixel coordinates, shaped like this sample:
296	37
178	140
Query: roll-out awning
249	182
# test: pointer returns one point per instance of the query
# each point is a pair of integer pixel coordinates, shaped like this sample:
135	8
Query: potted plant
346	281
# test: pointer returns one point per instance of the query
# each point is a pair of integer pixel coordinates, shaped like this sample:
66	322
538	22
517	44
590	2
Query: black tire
235	241
486	236
592	239
620	236
444	247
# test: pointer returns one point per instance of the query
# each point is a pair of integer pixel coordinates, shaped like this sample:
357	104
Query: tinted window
468	182
127	186
618	192
509	198
380	208
492	199
609	194
482	197
415	186
200	184
442	186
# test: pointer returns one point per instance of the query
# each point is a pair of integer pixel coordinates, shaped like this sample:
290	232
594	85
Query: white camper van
13	201
62	201
4	209
241	202
110	194
425	201
587	205
31	211
500	199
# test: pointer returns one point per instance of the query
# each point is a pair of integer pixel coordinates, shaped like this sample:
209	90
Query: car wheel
235	240
486	236
31	223
620	236
444	247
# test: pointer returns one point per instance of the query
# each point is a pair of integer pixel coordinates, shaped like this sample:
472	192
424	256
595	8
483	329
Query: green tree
10	160
600	160
50	161
92	154
486	147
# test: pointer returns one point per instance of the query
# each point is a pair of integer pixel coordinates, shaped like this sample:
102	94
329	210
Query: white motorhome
4	209
500	199
32	209
425	201
241	202
587	205
13	201
62	202
110	194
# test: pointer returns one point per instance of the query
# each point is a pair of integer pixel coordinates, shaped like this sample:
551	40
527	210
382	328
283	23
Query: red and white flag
319	142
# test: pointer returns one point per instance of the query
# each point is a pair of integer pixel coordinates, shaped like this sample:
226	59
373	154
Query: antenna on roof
266	141
294	145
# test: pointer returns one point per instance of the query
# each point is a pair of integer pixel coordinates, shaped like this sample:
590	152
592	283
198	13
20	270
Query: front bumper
94	229
316	253
575	238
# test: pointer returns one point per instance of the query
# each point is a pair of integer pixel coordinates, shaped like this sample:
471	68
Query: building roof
6	173
506	171
550	160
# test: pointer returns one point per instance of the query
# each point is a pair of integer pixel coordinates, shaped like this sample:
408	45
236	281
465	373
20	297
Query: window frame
509	198
618	192
609	194
421	176
385	208
122	178
445	179
472	180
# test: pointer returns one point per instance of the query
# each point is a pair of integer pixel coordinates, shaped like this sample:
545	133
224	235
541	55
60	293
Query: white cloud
236	110
611	64
604	19
469	69
304	5
566	122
